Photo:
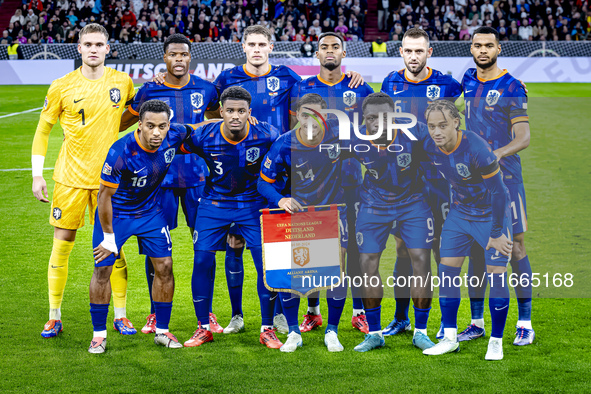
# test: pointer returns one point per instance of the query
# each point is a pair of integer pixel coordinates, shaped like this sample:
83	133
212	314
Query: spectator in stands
341	28
213	32
18	17
356	31
128	18
514	36
539	31
525	30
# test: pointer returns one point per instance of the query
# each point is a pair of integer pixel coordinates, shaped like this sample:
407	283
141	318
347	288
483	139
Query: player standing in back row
496	109
88	102
412	89
334	86
270	87
190	99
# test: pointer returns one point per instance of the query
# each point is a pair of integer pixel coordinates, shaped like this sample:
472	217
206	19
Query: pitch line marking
19	113
22	169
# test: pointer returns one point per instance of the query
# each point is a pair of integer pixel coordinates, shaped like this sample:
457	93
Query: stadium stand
144	21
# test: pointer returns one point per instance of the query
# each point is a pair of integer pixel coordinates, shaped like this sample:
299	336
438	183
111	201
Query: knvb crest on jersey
463	170
349	98
169	155
301	255
273	84
196	100
115	95
334	152
404	160
57	213
433	92
492	97
253	154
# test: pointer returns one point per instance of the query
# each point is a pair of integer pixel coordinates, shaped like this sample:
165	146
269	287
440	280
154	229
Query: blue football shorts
152	232
414	223
459	234
189	199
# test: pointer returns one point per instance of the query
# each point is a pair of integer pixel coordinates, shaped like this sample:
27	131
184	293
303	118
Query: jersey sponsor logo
349	98
273	84
107	169
115	95
57	213
433	92
169	155
253	154
463	170
137	171
268	163
492	97
196	100
397	92
301	255
404	160
77	101
359	238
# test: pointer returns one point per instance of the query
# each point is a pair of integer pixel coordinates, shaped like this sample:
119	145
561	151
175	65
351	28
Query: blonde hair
94	28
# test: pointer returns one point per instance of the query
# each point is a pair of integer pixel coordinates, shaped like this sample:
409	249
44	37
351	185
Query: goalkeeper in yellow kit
88	102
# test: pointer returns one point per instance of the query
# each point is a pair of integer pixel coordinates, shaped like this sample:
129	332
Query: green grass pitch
557	178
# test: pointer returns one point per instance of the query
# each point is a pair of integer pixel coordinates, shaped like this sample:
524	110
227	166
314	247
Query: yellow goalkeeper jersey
89	112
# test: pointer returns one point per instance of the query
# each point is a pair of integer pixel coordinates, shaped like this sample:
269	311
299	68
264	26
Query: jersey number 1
81	112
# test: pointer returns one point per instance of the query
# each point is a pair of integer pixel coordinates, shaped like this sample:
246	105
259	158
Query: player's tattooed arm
127	120
105	213
519	142
356	79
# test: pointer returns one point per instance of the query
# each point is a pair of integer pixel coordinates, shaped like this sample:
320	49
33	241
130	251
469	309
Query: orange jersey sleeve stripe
109	184
495	172
133	111
266	178
520	119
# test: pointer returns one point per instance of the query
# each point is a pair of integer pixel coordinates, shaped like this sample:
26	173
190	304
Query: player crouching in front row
128	204
481	213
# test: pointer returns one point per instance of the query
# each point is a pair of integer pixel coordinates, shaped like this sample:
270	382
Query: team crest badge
359	238
107	169
301	255
169	155
115	95
57	213
433	92
334	151
492	97
349	98
273	84
196	100
253	154
404	160
463	170
195	236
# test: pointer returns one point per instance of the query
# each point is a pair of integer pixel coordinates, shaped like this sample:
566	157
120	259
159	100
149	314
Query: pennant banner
301	252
